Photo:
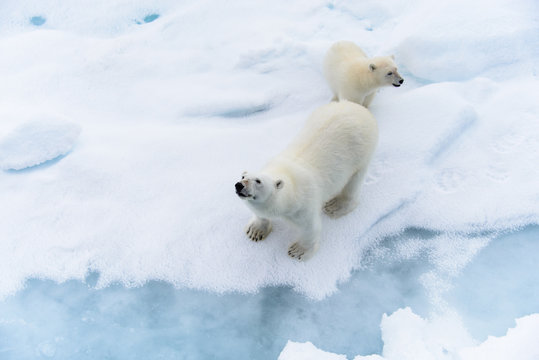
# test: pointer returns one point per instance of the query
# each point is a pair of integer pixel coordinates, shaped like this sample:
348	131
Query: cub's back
339	64
343	51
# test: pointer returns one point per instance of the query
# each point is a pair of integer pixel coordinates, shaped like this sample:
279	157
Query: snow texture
173	112
174	100
36	142
306	351
407	336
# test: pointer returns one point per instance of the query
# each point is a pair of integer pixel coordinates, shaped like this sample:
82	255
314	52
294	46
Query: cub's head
257	188
385	70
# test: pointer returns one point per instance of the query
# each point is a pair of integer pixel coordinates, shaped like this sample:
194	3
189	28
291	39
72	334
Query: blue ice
500	285
150	18
156	321
37	20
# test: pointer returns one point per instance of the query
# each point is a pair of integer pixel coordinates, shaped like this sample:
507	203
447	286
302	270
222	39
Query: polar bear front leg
308	241
368	99
258	228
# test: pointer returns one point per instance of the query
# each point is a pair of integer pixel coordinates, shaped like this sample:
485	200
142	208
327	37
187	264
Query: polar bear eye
243	177
257	181
389	73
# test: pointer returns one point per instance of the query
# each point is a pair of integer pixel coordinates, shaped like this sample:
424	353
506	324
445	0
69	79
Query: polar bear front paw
297	251
300	252
258	229
338	207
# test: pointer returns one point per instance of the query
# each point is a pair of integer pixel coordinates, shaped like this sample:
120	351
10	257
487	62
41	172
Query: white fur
353	76
322	169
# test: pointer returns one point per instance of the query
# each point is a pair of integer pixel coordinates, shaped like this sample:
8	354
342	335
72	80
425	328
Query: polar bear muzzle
240	190
397	79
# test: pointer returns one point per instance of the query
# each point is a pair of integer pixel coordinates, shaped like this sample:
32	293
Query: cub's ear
244	173
392	57
279	184
372	67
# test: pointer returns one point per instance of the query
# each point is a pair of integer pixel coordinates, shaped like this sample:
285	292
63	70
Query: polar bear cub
322	169
353	76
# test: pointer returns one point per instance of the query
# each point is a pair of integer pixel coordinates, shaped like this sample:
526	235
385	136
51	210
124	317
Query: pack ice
173	112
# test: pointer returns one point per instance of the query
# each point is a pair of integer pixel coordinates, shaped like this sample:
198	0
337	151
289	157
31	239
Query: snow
306	351
125	126
407	336
519	343
166	133
34	143
156	320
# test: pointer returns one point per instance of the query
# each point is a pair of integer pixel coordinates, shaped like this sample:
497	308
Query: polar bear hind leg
258	229
348	199
308	241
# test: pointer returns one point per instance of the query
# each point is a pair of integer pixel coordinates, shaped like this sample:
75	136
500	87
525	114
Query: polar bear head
257	188
385	71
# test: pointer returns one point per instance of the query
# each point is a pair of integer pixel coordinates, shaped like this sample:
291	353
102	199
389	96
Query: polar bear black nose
239	187
401	81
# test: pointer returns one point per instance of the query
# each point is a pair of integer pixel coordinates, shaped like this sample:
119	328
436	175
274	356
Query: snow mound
36	142
519	343
306	351
407	336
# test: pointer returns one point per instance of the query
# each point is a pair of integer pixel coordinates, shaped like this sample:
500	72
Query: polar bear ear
279	184
372	67
392	57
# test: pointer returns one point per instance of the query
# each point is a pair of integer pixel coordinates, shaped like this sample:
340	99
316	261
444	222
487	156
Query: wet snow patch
37	142
37	20
148	19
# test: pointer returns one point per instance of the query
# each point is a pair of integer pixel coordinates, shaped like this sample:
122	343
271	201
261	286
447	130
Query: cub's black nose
401	81
239	187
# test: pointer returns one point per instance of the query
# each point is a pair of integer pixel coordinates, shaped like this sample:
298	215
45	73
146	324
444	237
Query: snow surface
407	336
156	321
306	351
171	114
36	142
174	100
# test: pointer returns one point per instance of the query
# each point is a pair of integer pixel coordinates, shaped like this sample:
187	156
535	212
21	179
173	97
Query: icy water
156	321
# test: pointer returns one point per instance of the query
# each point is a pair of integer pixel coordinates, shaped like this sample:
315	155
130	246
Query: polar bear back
344	51
337	141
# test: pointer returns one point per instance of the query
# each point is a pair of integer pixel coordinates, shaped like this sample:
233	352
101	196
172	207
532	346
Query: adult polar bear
322	168
352	76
